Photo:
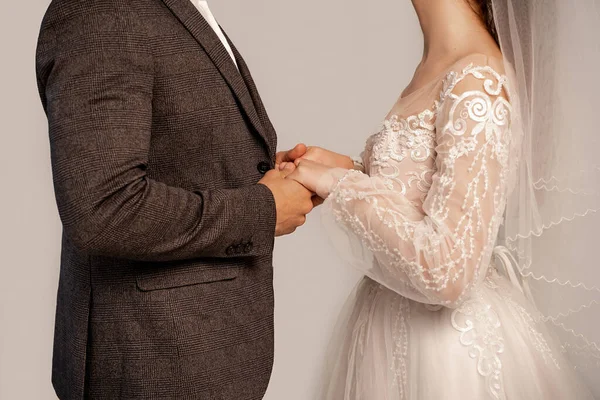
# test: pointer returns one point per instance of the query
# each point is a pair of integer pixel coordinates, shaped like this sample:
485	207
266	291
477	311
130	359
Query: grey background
357	55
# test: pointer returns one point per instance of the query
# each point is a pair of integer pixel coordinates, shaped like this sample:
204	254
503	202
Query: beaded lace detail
430	208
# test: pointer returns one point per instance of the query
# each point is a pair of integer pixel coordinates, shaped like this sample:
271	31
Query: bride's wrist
357	164
329	180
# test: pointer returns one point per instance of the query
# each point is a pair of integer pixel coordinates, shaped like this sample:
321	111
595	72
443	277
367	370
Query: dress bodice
424	217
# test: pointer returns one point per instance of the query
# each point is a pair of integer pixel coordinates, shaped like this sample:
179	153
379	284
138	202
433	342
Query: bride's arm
436	253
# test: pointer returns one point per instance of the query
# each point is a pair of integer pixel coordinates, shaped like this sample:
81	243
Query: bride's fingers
305	162
295	175
286	169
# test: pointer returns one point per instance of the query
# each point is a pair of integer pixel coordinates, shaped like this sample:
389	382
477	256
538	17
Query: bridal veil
551	233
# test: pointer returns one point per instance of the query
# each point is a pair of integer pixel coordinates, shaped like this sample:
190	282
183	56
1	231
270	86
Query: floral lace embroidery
477	129
478	323
479	327
413	137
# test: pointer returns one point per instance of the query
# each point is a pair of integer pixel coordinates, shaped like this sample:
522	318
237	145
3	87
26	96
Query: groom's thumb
291	155
298	151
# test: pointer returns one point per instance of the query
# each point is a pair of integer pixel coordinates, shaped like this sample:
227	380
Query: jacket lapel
191	18
258	104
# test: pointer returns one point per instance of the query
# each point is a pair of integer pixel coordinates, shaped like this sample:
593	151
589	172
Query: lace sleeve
436	253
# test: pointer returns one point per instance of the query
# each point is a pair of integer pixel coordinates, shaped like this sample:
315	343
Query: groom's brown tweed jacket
157	145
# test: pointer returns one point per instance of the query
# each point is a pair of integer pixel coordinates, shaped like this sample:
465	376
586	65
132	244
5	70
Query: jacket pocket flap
179	277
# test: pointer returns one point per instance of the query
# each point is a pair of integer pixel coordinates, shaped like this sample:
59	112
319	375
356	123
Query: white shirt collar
202	6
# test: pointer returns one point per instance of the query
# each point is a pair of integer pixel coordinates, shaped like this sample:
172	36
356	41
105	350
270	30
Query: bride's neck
448	27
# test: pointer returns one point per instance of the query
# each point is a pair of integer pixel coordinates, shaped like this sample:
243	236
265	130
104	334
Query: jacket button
248	248
263	167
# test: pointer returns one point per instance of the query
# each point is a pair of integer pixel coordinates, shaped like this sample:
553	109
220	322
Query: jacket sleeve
95	73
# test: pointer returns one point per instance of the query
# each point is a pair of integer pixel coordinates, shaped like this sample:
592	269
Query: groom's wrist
239	222
255	224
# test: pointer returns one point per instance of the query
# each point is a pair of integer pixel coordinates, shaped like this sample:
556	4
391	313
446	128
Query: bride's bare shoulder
492	60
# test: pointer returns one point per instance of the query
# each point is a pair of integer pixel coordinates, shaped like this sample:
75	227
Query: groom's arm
95	71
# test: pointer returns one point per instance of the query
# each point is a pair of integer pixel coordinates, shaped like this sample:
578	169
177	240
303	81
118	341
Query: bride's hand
328	158
312	175
314	153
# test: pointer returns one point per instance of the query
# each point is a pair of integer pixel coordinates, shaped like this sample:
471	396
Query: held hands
300	173
314	167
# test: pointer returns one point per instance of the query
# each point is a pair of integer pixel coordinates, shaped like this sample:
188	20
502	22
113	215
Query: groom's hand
292	200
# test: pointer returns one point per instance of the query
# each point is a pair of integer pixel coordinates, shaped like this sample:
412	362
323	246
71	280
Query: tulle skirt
494	346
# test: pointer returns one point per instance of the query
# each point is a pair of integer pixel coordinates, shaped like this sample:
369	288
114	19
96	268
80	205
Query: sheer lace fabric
430	208
433	318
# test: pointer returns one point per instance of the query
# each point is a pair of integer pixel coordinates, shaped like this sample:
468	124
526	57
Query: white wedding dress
436	316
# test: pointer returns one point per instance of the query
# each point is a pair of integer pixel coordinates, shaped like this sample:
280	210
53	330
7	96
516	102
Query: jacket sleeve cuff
254	222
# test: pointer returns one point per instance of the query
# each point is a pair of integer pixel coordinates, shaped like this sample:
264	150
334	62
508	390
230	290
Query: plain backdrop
328	72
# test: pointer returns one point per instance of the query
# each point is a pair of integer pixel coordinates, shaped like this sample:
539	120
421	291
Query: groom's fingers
298	151
291	155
